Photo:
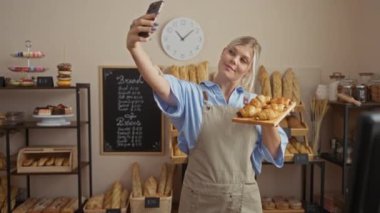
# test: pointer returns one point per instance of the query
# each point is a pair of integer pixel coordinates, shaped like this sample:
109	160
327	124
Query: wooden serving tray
273	122
284	211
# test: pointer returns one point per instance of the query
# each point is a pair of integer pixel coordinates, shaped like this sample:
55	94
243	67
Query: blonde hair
247	82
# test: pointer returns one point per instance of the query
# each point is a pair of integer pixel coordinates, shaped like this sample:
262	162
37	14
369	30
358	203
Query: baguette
296	90
57	205
163	177
107	202
23	208
287	83
183	73
40	205
136	181
27	162
202	71
150	187
95	202
264	82
50	161
124	198
276	84
192	73
71	206
117	189
169	182
42	161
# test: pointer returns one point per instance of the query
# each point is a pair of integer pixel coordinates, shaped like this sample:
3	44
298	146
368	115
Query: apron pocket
212	198
251	198
188	201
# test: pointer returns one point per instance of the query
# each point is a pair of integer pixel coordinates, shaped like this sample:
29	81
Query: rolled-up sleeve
186	119
261	152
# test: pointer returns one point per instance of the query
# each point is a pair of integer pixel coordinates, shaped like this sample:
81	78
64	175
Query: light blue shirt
186	116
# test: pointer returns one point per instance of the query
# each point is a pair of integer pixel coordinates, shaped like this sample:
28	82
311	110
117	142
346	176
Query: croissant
266	114
249	111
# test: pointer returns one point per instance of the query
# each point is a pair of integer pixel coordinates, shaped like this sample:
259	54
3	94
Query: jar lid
337	76
347	82
360	86
366	74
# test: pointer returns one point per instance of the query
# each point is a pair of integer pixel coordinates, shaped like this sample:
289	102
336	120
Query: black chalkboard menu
131	120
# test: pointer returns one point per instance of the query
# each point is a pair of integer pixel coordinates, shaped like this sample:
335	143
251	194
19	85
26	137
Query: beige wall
314	37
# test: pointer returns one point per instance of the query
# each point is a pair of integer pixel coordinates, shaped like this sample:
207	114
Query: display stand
82	120
27	80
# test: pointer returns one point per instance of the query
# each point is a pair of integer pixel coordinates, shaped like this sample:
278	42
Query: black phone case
153	8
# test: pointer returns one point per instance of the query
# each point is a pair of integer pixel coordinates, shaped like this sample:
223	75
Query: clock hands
188	34
183	37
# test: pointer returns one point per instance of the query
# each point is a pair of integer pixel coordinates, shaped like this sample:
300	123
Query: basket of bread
154	196
48	205
50	159
264	110
116	197
295	147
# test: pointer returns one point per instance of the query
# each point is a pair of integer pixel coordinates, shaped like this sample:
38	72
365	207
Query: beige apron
219	176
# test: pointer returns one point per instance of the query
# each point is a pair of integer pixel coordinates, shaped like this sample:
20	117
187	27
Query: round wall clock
182	38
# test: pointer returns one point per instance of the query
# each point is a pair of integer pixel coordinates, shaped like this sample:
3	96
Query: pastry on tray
60	109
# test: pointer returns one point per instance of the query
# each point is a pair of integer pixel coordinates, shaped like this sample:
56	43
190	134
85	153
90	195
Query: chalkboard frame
102	69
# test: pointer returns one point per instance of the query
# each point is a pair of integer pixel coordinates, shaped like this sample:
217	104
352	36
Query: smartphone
154	7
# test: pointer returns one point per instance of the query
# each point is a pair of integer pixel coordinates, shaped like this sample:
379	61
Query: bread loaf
50	161
27	162
173	70
58	161
95	202
202	71
296	97
71	206
183	74
276	84
57	205
150	187
163	177
23	208
124	198
136	181
42	161
117	189
264	82
287	84
192	73
169	182
40	205
107	202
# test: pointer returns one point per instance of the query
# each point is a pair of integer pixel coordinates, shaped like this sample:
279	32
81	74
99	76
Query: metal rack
309	205
342	162
77	125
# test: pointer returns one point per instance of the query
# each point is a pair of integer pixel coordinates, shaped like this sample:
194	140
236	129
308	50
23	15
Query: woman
223	157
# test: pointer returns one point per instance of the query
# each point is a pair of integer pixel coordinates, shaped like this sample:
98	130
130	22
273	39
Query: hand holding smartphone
153	8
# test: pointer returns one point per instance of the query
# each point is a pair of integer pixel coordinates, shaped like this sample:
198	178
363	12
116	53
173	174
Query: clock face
182	38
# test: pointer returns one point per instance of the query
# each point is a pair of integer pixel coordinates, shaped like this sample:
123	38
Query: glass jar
360	92
336	77
365	77
374	90
345	86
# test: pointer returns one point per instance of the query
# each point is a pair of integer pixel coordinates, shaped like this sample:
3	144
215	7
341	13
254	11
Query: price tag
301	159
152	202
2	81
113	210
45	81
